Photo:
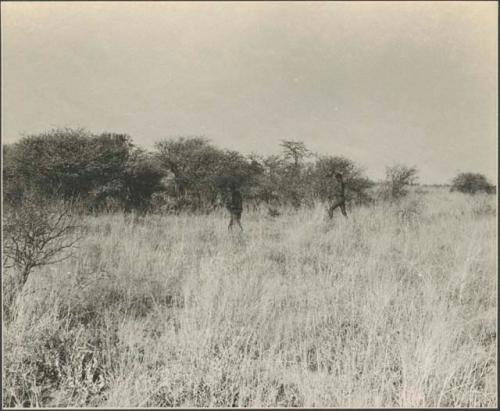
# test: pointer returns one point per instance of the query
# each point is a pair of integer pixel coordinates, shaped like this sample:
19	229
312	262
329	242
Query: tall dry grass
395	306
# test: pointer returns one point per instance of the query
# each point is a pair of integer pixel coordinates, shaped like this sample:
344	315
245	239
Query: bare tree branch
38	232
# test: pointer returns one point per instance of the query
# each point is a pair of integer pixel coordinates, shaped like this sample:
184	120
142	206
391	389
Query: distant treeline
108	172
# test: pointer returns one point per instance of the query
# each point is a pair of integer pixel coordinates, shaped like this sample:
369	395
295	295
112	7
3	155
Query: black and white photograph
249	204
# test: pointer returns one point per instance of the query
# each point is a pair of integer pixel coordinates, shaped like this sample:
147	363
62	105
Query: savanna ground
395	306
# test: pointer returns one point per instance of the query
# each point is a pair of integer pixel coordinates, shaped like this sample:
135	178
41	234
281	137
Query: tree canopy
107	171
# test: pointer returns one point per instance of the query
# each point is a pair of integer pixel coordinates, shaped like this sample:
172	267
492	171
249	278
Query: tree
202	170
141	179
13	184
50	162
74	163
191	160
324	185
292	179
266	174
398	177
181	155
471	183
37	232
295	151
71	161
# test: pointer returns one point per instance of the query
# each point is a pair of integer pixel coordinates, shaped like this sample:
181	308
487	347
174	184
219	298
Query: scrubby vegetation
107	172
395	306
36	232
398	178
471	183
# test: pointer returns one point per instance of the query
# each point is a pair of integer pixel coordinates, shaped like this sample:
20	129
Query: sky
378	82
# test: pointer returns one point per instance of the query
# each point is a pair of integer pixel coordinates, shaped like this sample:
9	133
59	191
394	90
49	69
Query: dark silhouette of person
234	204
339	200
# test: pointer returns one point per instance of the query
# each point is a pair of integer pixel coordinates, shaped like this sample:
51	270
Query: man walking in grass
339	200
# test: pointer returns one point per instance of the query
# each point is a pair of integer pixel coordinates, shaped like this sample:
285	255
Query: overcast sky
377	82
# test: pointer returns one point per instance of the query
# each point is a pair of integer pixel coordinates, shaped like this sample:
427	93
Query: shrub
141	179
471	183
324	186
57	363
200	170
70	162
98	169
37	232
398	178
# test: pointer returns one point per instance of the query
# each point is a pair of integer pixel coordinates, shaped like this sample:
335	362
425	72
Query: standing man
339	200
234	204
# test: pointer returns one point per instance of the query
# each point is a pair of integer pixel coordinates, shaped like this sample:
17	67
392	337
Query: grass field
395	306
